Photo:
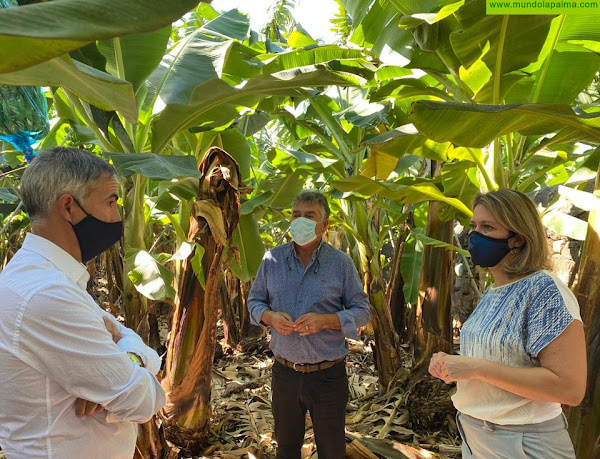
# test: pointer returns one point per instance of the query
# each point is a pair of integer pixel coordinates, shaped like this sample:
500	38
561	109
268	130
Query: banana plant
153	98
495	86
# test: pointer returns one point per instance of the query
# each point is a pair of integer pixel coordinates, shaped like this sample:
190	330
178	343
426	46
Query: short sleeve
547	318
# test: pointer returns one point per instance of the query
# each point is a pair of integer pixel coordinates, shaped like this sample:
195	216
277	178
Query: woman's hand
450	368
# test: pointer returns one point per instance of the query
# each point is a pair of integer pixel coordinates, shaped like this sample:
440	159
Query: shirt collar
316	252
75	271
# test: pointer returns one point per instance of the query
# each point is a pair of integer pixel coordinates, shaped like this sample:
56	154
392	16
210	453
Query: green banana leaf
586	171
247	239
98	88
149	276
565	225
401	191
251	204
170	194
514	41
139	55
284	188
214	103
419	233
236	145
156	167
416	19
42	31
410	267
406	140
196	58
284	159
582	199
375	26
8	195
564	52
478	125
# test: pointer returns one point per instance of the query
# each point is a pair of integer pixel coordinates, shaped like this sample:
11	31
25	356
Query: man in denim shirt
310	295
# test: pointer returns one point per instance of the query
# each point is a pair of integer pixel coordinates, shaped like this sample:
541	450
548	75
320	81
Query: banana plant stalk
584	420
191	348
387	357
433	328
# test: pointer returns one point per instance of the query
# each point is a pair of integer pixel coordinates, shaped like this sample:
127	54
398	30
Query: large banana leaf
8	195
586	171
170	194
412	259
375	26
379	165
45	30
565	225
310	55
249	206
149	276
401	191
138	54
563	53
236	145
292	159
415	19
406	87
251	249
246	62
196	58
515	41
357	9
157	167
477	125
214	103
284	188
96	87
406	140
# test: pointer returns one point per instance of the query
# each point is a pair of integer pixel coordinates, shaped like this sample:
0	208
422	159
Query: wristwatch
135	358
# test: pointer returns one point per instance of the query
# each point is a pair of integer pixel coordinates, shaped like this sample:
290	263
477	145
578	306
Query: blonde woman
523	347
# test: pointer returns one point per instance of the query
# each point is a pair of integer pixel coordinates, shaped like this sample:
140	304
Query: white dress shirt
54	349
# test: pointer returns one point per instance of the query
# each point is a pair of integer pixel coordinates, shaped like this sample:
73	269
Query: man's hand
86	408
112	329
280	321
314	322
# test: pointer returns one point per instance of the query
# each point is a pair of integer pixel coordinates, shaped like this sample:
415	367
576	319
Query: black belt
308	367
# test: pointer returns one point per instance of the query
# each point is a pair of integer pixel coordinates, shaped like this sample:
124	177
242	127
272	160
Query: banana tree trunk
396	300
135	304
230	292
247	330
386	354
584	420
433	327
188	370
387	357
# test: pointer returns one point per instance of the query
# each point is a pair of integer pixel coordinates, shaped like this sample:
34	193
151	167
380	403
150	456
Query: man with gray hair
310	295
74	381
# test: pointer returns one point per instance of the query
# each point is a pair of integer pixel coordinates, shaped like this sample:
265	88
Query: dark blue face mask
95	236
487	251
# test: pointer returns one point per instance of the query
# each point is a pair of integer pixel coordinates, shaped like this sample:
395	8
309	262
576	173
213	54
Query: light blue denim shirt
329	284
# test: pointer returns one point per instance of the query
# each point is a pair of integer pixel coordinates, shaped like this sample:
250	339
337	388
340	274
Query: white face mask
303	230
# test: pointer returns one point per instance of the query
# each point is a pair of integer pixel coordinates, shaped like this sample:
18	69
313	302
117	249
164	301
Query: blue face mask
487	251
303	230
